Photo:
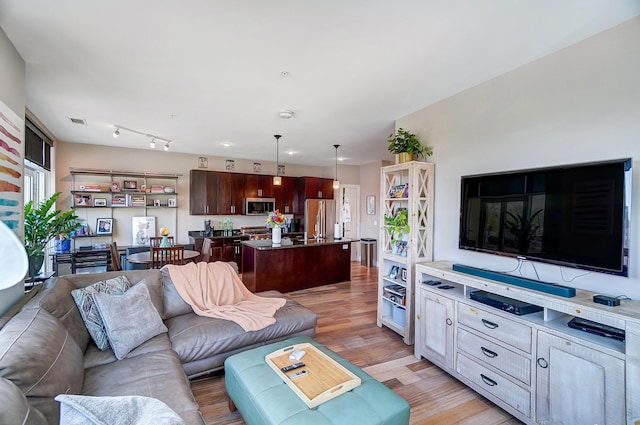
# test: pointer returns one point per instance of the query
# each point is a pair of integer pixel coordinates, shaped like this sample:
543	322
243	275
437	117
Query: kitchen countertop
265	244
198	234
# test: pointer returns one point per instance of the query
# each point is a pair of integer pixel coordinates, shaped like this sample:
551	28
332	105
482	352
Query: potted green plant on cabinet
41	225
407	146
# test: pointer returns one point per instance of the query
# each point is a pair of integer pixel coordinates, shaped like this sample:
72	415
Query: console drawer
494	326
485	351
491	382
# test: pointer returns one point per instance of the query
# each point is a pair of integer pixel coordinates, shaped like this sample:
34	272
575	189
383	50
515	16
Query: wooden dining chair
163	256
207	246
116	265
155	240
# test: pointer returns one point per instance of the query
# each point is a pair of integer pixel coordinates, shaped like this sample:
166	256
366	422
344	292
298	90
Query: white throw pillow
129	319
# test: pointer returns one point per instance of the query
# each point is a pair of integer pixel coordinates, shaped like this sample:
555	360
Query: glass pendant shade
277	180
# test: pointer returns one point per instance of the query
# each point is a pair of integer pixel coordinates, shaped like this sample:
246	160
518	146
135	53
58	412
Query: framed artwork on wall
371	204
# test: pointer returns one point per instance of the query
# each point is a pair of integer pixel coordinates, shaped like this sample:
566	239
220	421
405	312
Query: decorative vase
35	264
276	235
164	243
405	157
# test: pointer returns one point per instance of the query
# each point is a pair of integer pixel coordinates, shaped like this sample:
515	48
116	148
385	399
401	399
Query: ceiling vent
78	121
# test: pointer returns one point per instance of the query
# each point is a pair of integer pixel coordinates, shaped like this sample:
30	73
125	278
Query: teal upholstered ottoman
263	398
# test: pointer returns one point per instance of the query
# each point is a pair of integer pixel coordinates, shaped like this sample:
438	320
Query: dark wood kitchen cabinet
311	188
232	249
285	195
203	192
231	193
259	186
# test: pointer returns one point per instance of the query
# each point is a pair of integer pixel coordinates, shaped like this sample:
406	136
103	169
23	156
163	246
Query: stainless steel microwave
259	206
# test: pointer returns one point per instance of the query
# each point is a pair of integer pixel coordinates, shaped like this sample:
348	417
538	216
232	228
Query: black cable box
596	328
503	303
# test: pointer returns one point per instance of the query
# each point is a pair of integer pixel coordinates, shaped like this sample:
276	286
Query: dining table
145	256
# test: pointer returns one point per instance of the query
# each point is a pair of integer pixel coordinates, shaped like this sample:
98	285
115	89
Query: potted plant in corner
41	225
398	227
407	146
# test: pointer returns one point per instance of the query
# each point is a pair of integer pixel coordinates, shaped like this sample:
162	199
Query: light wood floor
347	325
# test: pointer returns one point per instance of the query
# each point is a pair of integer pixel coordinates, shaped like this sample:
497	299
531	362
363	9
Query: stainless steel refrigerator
319	217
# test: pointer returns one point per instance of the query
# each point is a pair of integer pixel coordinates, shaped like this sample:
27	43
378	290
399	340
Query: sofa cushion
57	300
94	357
16	409
40	357
158	375
84	299
123	410
174	305
129	319
194	337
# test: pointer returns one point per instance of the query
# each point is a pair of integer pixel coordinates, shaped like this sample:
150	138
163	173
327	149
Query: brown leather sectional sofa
45	350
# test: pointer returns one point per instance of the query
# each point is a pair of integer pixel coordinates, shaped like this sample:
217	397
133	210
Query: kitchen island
295	263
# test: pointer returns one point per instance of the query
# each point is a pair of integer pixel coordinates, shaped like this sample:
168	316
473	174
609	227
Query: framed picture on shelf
115	186
404	275
104	226
142	228
82	200
130	185
394	272
156	202
99	202
399	191
171	203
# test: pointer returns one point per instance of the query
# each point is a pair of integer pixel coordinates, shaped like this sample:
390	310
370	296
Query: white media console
534	366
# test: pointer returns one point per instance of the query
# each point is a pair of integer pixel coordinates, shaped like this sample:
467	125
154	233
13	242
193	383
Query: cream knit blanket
215	290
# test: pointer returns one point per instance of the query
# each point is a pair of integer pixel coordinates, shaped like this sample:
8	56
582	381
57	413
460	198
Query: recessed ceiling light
291	153
284	74
226	144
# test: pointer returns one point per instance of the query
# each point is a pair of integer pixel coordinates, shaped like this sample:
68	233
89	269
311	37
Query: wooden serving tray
326	379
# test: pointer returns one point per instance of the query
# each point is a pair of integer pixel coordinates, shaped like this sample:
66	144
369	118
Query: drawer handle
542	363
488	381
449	322
489	324
489	353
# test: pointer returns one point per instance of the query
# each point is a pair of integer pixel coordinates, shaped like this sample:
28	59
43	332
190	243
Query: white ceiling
202	72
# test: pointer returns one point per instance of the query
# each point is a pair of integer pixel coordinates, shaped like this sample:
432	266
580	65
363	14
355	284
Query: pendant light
336	182
277	180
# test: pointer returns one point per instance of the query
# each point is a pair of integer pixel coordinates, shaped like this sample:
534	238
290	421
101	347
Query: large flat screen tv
572	215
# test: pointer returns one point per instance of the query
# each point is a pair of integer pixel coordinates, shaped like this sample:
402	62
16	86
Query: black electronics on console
596	328
604	300
503	303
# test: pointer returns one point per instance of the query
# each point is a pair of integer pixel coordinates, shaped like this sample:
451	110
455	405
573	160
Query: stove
257	232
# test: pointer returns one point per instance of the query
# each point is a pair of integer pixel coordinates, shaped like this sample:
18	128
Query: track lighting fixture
152	143
277	180
336	182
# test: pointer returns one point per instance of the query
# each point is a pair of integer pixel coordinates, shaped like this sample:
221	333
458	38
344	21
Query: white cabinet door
436	325
578	385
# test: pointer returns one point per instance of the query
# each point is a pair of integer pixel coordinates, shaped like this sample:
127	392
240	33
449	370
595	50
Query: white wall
580	104
12	94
